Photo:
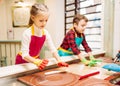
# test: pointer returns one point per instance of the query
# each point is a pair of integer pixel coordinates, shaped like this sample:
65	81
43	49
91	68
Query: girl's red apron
34	47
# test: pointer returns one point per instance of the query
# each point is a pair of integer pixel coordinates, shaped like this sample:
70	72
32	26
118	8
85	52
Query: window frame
76	10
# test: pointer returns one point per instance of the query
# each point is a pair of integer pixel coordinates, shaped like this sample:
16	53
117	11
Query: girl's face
40	20
81	26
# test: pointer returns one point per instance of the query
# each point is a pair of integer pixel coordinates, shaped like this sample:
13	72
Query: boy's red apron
34	47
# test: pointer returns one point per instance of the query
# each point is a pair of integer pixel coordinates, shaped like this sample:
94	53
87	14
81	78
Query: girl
74	38
34	37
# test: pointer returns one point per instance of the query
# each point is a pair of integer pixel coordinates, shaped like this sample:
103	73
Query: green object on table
85	61
92	63
92	58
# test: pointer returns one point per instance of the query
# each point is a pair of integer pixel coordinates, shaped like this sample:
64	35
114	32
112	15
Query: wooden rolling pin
54	72
88	75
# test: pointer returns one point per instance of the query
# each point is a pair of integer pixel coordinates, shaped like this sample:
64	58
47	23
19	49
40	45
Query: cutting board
61	79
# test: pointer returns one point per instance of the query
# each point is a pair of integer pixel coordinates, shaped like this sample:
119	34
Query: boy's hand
92	58
62	64
92	63
41	63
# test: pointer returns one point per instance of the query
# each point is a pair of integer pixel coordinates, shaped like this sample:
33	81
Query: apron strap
67	51
32	31
43	33
75	32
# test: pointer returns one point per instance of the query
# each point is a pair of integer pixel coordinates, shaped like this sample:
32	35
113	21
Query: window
92	10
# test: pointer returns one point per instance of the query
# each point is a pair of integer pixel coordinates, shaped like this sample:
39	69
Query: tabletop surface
76	68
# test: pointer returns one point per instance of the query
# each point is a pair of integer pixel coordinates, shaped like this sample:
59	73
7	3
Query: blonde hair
36	9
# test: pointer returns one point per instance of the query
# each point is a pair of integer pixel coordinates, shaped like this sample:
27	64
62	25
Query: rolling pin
88	75
54	72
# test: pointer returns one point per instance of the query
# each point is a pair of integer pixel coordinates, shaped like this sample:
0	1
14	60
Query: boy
74	38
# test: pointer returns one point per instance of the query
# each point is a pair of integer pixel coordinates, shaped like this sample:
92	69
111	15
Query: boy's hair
79	17
37	8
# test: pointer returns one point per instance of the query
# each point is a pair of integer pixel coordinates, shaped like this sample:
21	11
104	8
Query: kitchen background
12	24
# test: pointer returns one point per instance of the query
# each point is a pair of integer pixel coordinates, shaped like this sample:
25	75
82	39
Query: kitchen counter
76	68
9	74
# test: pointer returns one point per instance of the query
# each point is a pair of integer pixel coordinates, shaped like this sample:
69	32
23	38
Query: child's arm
55	54
29	59
60	63
90	54
80	56
41	64
54	50
85	45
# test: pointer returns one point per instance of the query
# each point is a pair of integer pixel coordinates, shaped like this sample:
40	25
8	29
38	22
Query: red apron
34	47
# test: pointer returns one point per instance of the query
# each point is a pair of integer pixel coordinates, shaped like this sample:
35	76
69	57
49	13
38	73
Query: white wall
116	43
6	19
3	20
108	27
55	24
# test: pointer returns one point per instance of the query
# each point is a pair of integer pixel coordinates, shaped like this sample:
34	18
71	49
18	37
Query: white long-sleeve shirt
26	38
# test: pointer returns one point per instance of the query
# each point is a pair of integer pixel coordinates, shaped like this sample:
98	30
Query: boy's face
81	26
40	20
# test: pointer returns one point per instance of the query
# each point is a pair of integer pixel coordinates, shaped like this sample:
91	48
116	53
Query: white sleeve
25	43
50	42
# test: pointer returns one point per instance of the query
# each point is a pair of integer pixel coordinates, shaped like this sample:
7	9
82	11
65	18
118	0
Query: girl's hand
62	64
41	63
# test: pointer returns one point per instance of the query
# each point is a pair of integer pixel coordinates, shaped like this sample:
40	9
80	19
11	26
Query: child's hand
62	64
92	63
41	63
92	58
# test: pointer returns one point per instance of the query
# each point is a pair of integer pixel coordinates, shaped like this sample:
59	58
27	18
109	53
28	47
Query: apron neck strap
76	33
43	33
32	30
